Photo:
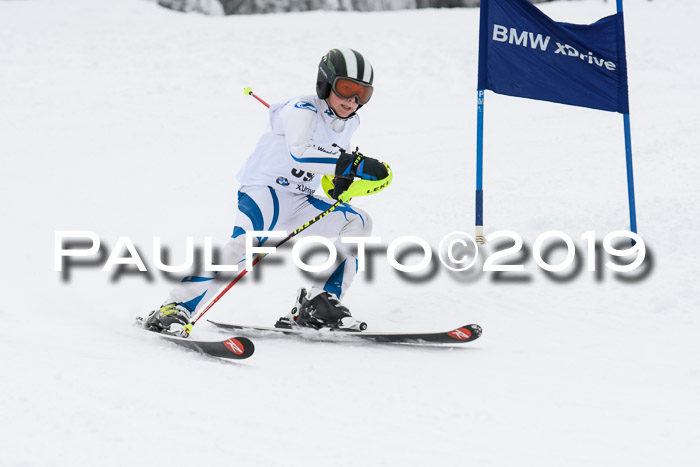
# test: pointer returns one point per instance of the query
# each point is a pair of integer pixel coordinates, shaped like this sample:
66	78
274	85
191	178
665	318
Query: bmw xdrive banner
524	53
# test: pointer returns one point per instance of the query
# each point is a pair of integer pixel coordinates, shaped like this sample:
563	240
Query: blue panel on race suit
276	208
192	304
344	208
196	279
248	207
319	160
334	284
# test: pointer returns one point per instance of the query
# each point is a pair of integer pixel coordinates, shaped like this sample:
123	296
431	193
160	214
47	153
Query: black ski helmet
347	63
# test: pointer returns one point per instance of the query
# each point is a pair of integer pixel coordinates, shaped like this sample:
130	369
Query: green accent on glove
358	187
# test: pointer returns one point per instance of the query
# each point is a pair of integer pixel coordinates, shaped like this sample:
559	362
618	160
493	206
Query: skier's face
341	106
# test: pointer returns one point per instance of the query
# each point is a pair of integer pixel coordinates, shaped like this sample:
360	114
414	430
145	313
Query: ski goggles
348	88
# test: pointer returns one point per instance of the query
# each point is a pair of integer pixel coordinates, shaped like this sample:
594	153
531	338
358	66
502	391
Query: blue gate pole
479	166
628	155
630	174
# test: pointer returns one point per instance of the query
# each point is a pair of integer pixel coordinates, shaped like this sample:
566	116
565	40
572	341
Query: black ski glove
355	164
340	184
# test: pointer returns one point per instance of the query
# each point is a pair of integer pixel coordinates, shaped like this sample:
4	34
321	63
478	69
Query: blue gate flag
524	53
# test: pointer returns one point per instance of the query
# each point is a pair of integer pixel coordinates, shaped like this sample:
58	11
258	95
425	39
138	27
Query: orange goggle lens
347	88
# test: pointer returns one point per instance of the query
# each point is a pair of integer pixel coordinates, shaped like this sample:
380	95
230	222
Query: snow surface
127	119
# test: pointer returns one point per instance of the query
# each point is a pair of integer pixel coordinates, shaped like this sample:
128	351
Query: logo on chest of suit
306	105
282	181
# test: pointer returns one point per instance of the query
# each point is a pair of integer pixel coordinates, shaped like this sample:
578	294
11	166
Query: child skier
306	137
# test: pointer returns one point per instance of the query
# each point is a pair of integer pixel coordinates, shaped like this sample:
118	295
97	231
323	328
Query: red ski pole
249	91
233	281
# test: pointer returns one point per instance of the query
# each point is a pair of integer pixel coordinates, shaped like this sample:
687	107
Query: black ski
236	348
460	335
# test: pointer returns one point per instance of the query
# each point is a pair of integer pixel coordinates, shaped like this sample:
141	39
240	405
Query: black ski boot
289	320
170	319
324	310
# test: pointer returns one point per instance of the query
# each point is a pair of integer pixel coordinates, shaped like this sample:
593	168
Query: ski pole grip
249	92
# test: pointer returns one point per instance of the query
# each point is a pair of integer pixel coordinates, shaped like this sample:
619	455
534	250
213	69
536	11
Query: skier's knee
369	225
234	250
360	225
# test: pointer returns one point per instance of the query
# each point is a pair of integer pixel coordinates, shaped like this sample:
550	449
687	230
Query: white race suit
301	143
